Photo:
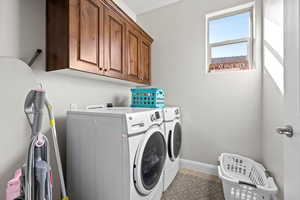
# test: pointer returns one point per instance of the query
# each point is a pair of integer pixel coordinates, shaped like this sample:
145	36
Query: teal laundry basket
148	98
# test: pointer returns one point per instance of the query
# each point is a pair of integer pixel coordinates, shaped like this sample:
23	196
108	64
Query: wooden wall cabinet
139	50
96	36
134	53
145	59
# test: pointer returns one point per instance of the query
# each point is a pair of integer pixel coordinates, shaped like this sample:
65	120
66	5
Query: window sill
231	72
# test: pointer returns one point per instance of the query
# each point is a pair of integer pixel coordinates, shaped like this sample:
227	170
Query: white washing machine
173	135
115	154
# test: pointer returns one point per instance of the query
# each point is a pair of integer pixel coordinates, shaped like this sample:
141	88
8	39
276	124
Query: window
230	39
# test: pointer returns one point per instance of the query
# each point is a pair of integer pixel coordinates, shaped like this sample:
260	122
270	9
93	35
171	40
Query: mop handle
56	148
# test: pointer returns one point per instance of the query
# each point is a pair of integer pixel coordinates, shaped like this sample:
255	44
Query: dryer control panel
171	113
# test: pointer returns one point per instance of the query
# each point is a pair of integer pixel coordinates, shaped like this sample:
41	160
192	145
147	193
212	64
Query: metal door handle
287	131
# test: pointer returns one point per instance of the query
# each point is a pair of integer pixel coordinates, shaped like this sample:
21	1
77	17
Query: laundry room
149	99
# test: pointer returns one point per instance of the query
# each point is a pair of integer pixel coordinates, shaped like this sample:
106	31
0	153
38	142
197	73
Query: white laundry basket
245	179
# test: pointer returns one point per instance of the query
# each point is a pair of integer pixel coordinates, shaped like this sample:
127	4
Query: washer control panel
142	121
155	116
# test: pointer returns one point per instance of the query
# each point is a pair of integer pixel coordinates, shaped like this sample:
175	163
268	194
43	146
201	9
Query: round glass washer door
149	161
174	141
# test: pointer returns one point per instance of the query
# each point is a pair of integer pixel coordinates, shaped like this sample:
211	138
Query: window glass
232	57
229	28
230	50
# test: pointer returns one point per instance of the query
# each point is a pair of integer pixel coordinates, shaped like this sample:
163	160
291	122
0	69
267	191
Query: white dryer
115	154
173	135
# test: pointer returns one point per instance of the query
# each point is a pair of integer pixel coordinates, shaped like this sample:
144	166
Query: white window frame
249	7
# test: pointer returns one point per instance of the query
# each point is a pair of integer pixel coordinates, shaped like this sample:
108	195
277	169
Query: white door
292	100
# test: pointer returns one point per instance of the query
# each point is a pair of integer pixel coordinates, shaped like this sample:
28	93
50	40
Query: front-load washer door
174	141
149	161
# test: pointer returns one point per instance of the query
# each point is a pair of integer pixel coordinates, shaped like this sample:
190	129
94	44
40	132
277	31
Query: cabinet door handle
101	68
105	70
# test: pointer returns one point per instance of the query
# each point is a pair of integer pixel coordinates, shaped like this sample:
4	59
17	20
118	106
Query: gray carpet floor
189	185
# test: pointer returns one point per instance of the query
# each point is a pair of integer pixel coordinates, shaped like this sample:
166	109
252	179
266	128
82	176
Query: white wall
221	112
22	31
273	99
126	9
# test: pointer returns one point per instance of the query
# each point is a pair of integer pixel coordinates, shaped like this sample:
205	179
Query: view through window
230	40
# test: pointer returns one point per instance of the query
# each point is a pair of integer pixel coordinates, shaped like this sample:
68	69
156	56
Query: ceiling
142	6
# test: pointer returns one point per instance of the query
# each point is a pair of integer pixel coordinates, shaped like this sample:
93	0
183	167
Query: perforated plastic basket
245	179
148	98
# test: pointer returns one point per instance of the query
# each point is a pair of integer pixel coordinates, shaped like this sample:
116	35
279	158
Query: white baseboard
199	167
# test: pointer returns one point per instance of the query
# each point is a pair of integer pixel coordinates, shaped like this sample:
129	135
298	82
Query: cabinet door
145	65
114	45
134	72
87	36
